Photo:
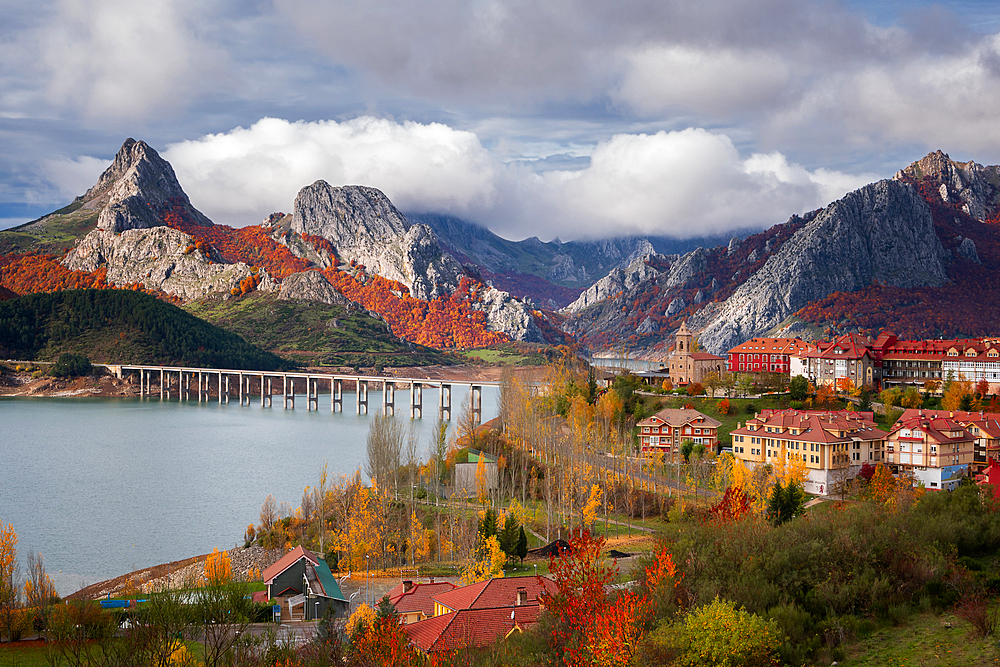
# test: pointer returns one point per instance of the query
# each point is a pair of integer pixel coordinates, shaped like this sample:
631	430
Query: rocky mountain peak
969	183
136	188
348	216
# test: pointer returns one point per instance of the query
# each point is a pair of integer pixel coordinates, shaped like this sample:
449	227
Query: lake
101	487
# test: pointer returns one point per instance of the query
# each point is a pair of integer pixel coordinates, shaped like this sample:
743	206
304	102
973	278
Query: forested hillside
121	326
314	334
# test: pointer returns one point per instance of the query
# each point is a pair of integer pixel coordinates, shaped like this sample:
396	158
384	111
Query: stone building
686	366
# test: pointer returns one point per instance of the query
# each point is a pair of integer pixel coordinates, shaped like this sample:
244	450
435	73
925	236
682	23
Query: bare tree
39	590
384	448
412	456
320	506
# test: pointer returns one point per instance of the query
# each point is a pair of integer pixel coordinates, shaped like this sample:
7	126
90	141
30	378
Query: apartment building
766	355
849	357
832	446
983	426
932	447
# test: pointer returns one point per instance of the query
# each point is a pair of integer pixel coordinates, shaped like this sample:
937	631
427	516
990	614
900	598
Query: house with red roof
664	431
990	477
830	445
932	447
302	583
847	357
414	601
766	355
480	614
983	426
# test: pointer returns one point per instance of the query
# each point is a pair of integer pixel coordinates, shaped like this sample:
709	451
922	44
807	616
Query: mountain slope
919	254
121	326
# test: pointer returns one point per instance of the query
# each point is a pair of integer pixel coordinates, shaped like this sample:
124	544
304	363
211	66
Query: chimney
522	596
432	580
407	586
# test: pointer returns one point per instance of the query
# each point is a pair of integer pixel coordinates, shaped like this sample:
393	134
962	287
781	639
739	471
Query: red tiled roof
933	427
287	561
706	356
419	597
680	417
495	593
470	627
773	346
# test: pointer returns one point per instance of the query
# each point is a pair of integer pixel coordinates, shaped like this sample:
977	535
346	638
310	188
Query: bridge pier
312	394
161	384
362	397
200	385
269	395
416	400
261	390
476	403
444	402
388	398
336	395
220	386
142	383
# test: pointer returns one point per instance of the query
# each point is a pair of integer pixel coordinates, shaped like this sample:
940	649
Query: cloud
73	177
717	81
242	175
683	184
125	59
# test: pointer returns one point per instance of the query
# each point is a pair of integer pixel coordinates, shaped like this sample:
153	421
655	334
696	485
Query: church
686	366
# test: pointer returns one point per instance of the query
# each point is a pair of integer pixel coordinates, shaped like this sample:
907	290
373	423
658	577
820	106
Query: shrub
723	407
71	365
750	408
695	389
795	405
720	634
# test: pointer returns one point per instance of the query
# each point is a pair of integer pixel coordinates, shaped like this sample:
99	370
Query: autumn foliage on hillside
448	321
968	306
30	274
251	245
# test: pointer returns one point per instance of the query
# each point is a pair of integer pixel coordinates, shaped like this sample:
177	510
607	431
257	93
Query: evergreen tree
508	536
785	502
798	387
522	545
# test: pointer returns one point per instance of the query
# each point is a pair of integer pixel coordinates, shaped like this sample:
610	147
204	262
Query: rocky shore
178	574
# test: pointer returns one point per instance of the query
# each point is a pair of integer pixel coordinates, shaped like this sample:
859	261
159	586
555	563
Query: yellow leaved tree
592	505
218	568
489	565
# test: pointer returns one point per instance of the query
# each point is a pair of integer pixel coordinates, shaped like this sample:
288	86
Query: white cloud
73	177
242	175
686	183
716	81
125	59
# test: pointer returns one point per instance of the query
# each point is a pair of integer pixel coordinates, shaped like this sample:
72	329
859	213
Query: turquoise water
101	487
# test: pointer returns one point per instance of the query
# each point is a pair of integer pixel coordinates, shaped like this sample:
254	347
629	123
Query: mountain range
916	253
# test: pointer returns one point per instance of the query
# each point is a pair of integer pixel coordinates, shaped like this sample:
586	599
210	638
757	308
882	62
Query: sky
563	118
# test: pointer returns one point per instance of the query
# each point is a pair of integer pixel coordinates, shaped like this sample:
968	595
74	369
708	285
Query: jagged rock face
156	259
969	182
364	226
967	249
311	286
508	315
882	231
618	280
136	187
687	267
676	306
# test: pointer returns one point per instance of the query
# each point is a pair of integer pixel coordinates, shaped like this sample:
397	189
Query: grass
925	641
52	234
709	406
311	333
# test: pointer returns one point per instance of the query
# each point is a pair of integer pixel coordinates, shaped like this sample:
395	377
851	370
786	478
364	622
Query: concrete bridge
168	377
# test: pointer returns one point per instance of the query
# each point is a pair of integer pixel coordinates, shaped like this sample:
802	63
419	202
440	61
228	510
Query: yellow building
831	446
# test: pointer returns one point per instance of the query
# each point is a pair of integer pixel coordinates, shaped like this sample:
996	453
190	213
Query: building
830	446
767	355
914	362
847	357
935	450
414	601
479	614
664	431
303	585
686	366
983	426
